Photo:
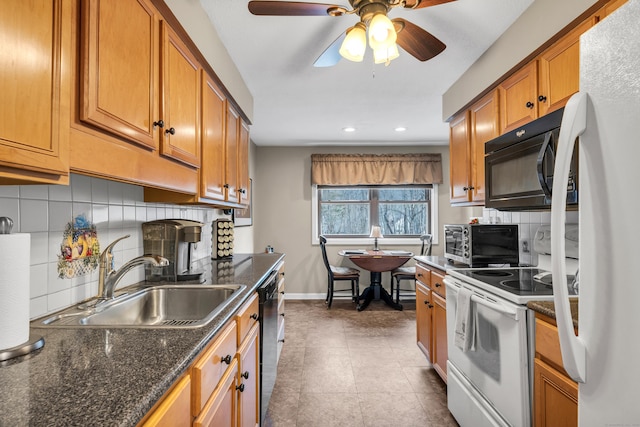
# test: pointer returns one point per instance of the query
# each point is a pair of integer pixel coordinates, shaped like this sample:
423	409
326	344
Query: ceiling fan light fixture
381	31
355	43
384	55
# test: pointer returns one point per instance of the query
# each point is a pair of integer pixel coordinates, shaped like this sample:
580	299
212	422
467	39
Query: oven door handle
495	306
547	146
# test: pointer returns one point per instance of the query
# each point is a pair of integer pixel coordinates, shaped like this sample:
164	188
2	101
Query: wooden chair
339	273
409	273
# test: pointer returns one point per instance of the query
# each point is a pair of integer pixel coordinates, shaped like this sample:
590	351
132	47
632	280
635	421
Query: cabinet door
120	65
231	155
555	397
518	98
221	409
423	318
175	409
485	126
459	158
35	48
559	68
243	164
180	106
214	108
249	380
439	353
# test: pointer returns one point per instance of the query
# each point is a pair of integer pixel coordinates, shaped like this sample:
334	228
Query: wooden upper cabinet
519	97
214	108
232	140
243	164
180	106
459	157
35	47
611	6
559	70
485	125
120	66
139	80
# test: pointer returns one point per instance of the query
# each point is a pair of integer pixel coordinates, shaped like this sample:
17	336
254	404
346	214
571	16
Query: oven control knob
465	231
466	254
465	247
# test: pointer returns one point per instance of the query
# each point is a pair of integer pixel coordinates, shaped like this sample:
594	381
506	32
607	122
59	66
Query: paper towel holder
33	344
30	346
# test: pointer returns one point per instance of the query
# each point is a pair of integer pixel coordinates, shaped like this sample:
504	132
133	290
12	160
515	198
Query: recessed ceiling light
400	129
349	129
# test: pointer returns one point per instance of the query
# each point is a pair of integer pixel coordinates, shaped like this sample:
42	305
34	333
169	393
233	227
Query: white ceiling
296	104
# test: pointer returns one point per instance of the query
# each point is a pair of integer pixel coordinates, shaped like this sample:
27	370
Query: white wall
115	208
282	198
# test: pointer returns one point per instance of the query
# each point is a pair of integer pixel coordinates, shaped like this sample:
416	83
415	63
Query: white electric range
491	383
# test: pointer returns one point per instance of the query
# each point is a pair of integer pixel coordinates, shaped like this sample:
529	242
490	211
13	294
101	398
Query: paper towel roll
15	264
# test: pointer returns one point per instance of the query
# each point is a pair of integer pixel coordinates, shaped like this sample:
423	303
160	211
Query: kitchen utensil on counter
15	265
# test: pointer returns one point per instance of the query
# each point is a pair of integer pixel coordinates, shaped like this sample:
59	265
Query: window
403	212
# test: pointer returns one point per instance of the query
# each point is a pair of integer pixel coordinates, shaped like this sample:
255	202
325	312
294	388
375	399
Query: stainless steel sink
163	306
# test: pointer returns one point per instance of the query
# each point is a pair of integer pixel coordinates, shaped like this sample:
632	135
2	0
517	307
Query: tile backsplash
528	223
115	208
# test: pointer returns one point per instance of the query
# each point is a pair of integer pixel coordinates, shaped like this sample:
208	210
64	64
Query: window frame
368	241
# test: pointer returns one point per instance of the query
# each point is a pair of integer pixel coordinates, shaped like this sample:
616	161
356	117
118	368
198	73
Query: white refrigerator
604	358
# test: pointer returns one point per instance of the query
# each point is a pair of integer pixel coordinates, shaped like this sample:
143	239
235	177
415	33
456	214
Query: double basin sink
160	306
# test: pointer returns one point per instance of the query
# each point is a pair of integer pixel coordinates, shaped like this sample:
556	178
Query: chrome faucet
109	277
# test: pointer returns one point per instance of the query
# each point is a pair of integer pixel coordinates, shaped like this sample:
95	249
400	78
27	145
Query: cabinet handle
172	131
471	188
429	306
542	98
282	292
529	104
159	123
419	274
465	188
242	190
282	340
426	302
240	387
254	316
245	375
438	285
282	314
226	186
226	359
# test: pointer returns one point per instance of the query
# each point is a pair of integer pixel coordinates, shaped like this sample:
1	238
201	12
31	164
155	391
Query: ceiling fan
383	32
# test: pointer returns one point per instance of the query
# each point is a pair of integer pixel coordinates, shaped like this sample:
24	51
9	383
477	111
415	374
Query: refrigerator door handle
574	123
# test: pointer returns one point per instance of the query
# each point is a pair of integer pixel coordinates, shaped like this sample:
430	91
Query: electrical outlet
525	246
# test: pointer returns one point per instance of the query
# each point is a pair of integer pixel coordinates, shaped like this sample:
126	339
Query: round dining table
377	262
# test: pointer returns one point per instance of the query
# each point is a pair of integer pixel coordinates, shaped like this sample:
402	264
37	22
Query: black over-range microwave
519	167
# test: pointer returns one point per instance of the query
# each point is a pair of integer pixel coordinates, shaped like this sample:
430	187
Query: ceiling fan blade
289	8
331	55
418	42
419	4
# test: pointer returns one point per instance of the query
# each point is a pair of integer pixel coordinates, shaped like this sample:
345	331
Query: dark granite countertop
438	262
114	376
548	309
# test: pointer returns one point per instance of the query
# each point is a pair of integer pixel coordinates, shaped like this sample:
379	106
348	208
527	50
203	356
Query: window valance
376	169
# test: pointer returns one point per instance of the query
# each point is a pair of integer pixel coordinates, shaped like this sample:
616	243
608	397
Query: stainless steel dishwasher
268	339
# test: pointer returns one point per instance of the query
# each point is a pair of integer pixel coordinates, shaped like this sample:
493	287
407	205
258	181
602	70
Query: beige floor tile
392	409
349	368
329	409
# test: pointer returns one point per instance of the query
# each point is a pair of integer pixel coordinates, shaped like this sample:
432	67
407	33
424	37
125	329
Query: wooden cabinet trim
247	317
174	408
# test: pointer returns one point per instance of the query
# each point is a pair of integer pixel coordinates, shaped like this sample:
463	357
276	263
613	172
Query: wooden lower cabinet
175	408
249	380
555	395
221	408
222	386
431	317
